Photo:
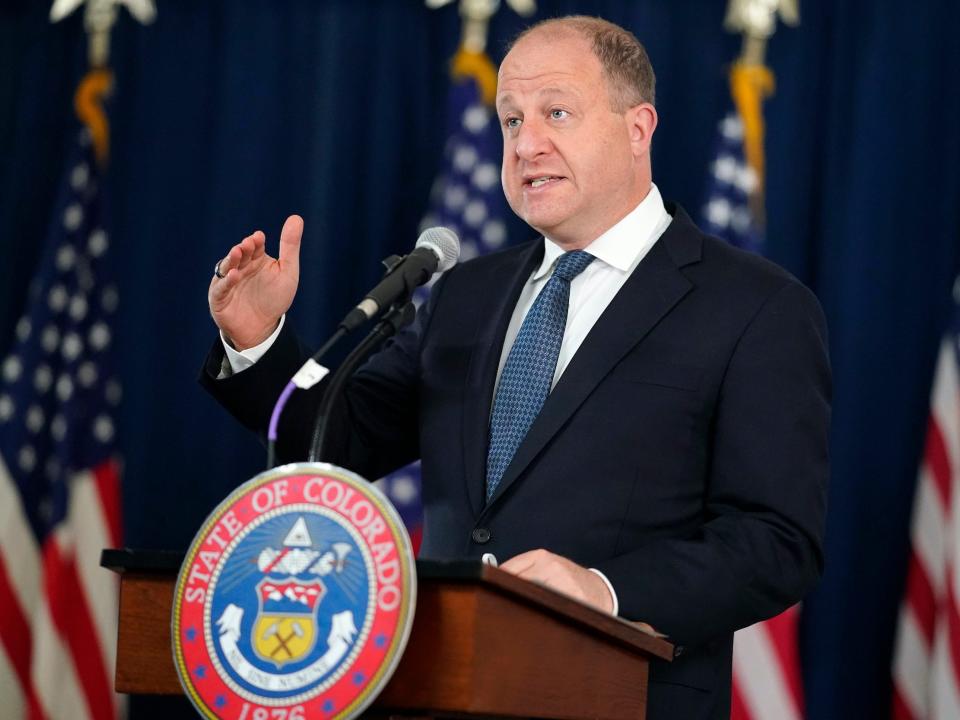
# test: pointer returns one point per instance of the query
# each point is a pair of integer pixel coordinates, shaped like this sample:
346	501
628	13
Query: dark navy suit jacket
683	452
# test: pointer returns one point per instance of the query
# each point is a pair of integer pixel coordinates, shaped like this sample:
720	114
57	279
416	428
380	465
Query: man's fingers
521	564
248	250
237	254
290	236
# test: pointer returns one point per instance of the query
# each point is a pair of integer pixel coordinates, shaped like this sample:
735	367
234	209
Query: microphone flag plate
295	599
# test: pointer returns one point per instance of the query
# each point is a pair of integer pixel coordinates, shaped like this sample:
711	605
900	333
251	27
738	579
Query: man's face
568	163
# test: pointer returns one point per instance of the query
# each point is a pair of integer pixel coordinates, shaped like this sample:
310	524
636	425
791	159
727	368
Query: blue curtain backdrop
227	116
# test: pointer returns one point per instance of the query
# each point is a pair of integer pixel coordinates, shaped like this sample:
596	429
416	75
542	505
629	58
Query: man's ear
641	124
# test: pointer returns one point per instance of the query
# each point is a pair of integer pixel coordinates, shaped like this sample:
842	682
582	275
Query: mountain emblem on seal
285	629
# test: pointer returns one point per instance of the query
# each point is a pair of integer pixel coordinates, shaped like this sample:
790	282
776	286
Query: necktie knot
572	264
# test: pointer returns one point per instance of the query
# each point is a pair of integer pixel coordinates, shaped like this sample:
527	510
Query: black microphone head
444	242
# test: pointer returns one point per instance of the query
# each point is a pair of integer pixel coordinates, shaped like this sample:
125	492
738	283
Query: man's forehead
544	63
543	53
542	88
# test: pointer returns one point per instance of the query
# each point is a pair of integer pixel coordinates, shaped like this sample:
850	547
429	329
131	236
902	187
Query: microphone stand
396	317
353	320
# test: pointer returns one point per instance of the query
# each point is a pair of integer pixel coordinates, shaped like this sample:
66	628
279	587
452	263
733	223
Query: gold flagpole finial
99	17
756	20
476	16
751	81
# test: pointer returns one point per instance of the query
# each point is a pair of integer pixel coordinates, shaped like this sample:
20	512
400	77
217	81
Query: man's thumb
290	243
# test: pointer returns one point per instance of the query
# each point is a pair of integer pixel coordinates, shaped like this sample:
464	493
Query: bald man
625	410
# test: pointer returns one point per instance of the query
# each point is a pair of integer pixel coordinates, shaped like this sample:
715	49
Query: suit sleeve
760	548
374	428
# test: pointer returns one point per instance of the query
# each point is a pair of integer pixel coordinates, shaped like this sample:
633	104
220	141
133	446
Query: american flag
732	190
466	197
766	663
59	480
926	660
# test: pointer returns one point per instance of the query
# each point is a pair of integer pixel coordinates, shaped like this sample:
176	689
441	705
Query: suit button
480	536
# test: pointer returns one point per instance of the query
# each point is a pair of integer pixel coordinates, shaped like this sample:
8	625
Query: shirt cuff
239	360
613	593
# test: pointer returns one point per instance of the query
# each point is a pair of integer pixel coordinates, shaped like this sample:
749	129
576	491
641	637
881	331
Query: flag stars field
475	213
42	379
79	177
99	336
7	408
78	307
35	419
486	176
57	299
24	328
454	197
97	245
476	118
464	158
50	339
66	258
494	234
73	217
12	369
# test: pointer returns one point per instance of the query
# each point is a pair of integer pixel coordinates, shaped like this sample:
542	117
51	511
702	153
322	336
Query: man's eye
512	123
558	114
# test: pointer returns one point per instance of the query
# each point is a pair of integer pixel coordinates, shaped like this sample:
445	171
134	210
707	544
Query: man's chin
545	223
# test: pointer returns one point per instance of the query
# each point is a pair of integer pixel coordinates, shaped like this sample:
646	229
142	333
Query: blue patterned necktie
528	373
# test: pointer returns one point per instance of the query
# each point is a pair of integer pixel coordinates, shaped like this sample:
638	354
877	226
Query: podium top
167	563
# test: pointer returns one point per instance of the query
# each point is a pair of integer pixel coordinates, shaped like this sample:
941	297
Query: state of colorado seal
295	599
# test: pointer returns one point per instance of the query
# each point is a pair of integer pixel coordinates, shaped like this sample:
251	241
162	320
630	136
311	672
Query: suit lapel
482	372
653	289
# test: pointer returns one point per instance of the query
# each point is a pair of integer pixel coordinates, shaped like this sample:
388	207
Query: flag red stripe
782	630
416	539
70	611
953	626
920	597
107	477
900	709
16	637
738	708
935	455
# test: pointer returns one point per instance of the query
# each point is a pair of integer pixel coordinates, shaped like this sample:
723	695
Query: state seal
295	599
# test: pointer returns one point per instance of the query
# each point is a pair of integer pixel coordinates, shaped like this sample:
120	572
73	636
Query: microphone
437	250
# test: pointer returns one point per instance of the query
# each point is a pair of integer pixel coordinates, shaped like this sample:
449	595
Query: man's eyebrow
558	91
506	100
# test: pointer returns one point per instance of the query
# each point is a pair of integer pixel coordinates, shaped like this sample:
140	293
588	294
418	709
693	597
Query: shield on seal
285	630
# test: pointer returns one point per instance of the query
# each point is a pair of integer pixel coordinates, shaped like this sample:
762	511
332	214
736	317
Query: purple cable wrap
278	410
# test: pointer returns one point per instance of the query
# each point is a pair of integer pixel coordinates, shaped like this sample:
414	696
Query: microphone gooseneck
437	250
392	322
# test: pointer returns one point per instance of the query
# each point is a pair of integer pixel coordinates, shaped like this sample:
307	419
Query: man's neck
583	241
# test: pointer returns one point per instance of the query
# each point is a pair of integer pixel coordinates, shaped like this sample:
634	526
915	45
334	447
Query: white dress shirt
618	251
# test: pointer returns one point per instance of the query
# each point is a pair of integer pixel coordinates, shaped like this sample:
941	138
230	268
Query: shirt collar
620	245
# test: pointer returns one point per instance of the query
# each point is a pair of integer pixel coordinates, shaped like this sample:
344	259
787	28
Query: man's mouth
541	181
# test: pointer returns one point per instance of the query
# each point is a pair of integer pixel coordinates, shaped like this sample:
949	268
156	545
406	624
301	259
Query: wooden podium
484	643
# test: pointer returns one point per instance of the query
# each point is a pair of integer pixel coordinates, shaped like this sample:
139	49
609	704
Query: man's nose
532	140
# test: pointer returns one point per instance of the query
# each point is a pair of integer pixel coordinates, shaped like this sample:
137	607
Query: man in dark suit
626	410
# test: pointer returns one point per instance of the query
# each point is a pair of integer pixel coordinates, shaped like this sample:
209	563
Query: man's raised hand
256	289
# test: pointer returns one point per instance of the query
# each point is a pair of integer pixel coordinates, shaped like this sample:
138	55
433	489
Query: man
642	426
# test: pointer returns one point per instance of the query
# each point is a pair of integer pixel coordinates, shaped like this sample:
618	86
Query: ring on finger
216	270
